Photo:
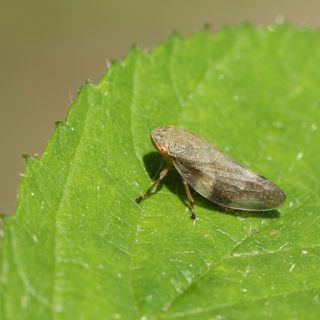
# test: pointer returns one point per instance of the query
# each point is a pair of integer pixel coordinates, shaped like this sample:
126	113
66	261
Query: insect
211	173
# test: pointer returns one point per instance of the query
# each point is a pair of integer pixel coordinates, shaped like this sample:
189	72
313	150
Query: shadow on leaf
154	163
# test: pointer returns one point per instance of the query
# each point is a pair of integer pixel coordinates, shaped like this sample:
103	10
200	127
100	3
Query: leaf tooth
59	124
28	159
174	35
87	83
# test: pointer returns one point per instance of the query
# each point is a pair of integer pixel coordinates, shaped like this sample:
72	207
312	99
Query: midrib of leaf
180	102
139	158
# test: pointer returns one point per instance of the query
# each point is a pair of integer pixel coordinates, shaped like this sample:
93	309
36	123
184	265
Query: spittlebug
211	173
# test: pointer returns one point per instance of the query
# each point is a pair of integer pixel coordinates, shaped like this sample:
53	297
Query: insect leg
162	175
190	198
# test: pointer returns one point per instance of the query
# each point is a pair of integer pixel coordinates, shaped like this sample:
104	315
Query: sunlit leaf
79	247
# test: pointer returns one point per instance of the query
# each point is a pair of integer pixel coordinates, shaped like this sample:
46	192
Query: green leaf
79	247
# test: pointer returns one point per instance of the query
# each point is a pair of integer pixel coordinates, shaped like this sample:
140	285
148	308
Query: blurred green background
48	49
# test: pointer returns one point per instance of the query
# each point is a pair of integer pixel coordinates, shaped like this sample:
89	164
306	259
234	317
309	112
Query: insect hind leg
161	176
190	198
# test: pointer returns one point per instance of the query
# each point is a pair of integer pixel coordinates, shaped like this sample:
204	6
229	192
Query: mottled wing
229	184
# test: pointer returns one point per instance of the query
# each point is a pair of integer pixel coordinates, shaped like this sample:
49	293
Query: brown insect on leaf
211	173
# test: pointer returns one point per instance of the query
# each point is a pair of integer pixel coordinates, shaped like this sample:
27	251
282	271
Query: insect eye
162	148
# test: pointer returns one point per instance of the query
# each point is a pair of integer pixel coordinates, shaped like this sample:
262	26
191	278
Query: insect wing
229	184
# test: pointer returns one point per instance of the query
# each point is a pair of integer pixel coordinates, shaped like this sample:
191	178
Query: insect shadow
154	162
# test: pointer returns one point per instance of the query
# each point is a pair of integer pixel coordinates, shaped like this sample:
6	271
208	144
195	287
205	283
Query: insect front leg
162	175
190	198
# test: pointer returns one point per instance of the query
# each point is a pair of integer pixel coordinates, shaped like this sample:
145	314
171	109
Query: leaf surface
79	247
